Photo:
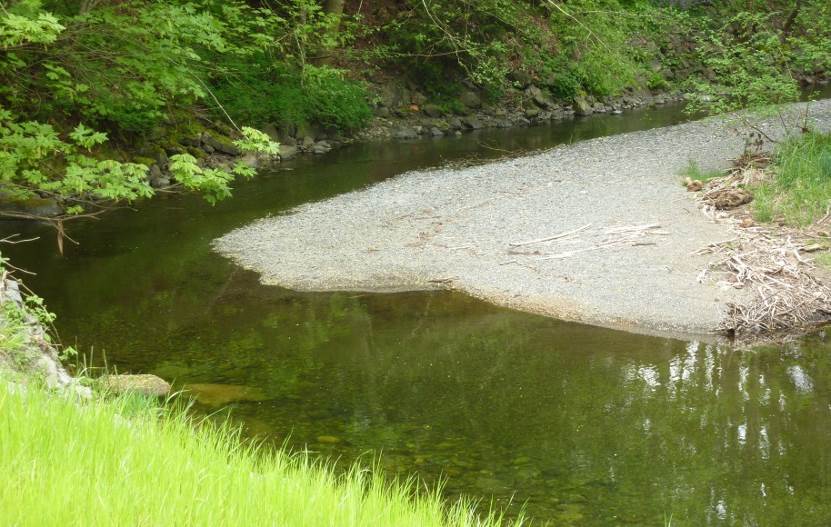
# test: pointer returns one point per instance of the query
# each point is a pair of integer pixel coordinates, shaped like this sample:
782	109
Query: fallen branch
551	238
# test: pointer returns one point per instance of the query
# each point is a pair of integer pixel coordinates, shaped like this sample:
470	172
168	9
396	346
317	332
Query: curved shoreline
624	232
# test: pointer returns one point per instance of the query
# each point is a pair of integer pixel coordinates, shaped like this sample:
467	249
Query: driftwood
784	293
551	238
771	263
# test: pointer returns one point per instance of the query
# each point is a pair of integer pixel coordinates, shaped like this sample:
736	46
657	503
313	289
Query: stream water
580	425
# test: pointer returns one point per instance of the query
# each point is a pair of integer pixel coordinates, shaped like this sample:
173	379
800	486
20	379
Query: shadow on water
586	426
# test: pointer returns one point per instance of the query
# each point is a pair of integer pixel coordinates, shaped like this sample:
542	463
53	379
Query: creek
580	425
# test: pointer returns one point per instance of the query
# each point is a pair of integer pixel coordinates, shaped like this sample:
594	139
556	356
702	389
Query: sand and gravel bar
600	232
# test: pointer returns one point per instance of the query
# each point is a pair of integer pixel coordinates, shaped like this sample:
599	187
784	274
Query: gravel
453	228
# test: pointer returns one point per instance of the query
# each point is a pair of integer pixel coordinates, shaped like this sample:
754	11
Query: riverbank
599	232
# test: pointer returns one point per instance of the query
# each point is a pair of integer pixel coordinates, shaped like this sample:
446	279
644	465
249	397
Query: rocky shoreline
407	115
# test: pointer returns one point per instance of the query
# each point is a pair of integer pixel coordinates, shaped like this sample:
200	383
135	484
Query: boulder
471	99
287	152
582	106
521	78
432	110
144	384
321	147
220	144
471	123
539	97
45	207
405	132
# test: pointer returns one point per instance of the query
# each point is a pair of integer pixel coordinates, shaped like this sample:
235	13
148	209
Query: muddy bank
599	232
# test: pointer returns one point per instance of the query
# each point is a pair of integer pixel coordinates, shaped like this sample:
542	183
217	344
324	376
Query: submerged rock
223	394
144	384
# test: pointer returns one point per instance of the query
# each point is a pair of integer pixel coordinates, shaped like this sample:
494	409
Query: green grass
799	191
125	462
695	172
823	260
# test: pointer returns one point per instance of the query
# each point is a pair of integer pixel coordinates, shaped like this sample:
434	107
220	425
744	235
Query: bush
334	101
260	91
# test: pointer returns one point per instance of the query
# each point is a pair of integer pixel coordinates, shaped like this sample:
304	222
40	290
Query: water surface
584	426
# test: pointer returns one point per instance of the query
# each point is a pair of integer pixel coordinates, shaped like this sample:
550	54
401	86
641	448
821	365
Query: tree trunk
334	8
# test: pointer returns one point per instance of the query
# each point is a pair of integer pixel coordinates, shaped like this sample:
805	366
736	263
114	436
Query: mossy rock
144	384
198	153
220	143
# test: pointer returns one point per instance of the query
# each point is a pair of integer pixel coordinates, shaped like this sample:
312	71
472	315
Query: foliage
747	66
262	92
115	66
141	465
334	101
799	191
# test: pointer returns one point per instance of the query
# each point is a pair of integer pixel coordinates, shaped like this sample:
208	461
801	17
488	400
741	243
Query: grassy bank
798	191
124	462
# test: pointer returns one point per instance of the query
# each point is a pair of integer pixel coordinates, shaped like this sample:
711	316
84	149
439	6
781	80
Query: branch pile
771	263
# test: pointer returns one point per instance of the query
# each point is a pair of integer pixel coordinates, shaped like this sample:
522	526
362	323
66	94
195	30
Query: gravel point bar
628	265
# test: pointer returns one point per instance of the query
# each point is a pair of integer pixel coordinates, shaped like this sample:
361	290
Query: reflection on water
584	426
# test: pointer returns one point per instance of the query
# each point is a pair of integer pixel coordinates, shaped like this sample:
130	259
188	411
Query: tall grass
800	191
122	462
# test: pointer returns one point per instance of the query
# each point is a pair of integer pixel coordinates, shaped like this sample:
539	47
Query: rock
390	95
539	97
272	132
455	123
331	440
46	207
471	123
321	147
307	142
144	384
405	133
432	110
418	98
194	142
216	395
208	149
250	159
157	178
435	132
530	113
220	144
470	99
287	152
581	106
523	122
382	111
521	78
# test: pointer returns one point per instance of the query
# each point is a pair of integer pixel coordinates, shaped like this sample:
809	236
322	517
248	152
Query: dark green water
585	425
